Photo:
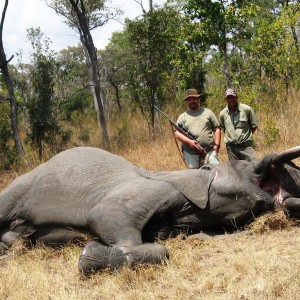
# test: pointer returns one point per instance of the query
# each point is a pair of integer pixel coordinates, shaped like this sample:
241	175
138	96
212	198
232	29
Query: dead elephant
127	208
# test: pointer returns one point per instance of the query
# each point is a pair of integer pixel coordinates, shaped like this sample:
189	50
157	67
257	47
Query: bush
84	136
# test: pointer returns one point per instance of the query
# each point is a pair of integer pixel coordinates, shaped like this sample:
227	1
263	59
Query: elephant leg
292	204
14	232
96	257
114	225
56	236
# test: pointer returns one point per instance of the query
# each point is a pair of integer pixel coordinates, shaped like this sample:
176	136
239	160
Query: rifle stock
182	129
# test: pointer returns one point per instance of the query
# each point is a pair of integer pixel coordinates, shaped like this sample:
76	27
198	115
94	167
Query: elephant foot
291	207
145	254
96	257
292	204
13	232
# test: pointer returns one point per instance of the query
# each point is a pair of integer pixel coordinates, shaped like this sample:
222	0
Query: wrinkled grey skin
126	208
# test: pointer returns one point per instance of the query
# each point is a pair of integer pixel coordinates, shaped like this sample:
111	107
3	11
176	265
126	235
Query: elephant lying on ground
126	208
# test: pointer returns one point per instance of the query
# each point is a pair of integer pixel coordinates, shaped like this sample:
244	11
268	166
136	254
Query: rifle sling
178	148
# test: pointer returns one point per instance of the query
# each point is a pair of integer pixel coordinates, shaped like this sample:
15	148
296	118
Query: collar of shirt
238	108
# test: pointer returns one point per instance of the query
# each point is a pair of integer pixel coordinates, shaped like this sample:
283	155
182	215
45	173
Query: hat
191	93
230	92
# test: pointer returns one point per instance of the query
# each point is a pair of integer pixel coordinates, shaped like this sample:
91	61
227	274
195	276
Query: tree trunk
117	93
10	89
88	43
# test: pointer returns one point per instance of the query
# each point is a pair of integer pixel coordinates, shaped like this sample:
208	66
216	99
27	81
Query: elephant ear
193	184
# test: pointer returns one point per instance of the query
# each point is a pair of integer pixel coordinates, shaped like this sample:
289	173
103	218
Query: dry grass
263	264
253	266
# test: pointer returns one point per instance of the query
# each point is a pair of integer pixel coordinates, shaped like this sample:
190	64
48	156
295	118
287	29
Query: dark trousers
241	152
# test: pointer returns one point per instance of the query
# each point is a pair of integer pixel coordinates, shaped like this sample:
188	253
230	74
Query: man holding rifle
203	123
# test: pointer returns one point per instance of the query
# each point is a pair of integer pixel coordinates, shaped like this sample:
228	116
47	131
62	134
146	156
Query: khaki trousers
194	161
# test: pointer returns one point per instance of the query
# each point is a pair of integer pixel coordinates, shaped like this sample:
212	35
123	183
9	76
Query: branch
141	5
2	22
77	91
10	58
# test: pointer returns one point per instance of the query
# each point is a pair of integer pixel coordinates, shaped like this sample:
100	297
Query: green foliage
76	105
66	135
276	46
190	61
85	135
43	123
72	88
154	40
118	64
41	105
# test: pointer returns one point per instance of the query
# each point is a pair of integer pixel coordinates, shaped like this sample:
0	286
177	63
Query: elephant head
280	177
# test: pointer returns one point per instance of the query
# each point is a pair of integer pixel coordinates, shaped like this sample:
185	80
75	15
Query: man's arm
217	138
253	120
193	144
221	119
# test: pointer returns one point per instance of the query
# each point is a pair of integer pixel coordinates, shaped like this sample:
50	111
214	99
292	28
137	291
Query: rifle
182	129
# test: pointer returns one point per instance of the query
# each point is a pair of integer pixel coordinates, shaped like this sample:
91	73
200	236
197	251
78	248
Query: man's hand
216	148
194	145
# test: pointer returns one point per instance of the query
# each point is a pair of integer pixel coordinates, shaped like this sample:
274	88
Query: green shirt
237	126
201	123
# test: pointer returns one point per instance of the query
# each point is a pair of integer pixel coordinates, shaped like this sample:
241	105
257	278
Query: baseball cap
230	92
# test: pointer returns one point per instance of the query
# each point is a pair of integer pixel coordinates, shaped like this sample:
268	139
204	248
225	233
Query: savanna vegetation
82	96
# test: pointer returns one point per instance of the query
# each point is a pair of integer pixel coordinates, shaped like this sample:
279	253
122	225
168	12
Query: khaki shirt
201	123
238	126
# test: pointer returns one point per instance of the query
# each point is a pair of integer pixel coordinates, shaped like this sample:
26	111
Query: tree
154	40
221	28
210	16
9	85
72	86
276	47
190	59
84	16
119	64
7	151
43	123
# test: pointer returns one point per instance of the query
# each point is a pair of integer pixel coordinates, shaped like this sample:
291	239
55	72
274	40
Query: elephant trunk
286	156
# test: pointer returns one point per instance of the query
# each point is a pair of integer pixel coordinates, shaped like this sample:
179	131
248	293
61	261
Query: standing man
203	123
238	122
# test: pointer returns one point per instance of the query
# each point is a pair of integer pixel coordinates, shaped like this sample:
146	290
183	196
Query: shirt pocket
242	122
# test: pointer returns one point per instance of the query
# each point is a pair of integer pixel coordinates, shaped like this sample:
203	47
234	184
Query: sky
24	14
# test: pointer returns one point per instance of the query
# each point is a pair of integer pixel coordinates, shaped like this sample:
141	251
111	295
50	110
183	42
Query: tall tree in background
43	124
221	27
84	16
115	60
154	40
9	86
72	85
210	16
276	45
190	59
